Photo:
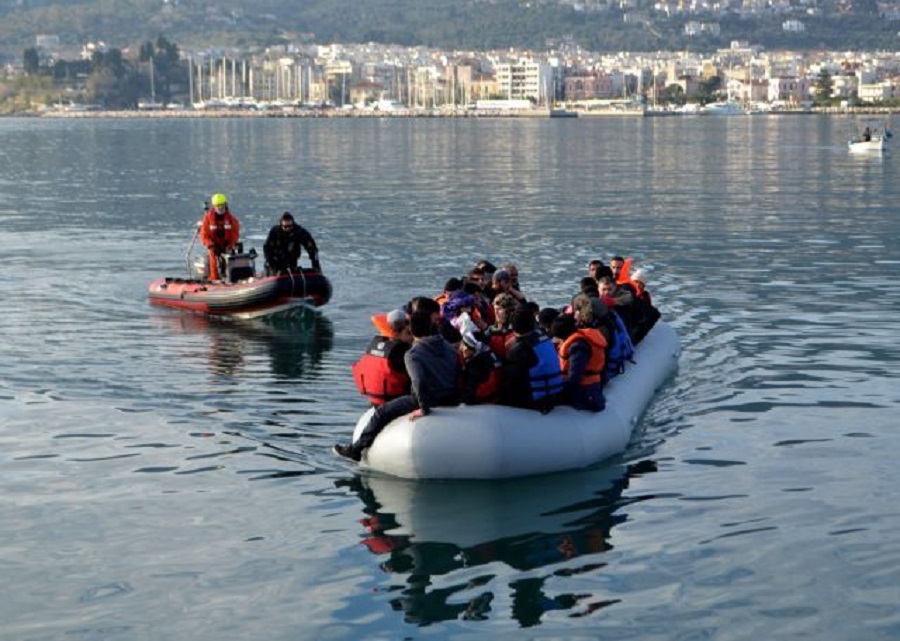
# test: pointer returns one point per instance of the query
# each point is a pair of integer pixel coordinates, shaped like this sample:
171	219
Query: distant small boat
870	140
875	144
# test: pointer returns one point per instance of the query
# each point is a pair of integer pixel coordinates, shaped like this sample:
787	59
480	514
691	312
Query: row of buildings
360	75
383	76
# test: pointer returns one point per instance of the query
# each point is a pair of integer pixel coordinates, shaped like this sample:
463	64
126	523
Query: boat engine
238	265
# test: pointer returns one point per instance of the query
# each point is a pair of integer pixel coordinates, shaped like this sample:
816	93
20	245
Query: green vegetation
448	24
108	79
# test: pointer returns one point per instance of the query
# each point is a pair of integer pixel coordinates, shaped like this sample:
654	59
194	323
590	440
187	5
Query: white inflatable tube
495	441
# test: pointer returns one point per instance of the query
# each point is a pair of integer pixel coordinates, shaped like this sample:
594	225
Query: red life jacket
594	369
497	339
488	390
374	377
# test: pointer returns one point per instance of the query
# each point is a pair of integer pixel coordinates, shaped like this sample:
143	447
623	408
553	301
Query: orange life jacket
596	363
381	324
374	377
219	232
625	275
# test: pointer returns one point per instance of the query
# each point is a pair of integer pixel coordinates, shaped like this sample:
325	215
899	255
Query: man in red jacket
220	230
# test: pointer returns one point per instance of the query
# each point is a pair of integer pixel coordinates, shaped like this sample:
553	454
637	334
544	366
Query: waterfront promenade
289	112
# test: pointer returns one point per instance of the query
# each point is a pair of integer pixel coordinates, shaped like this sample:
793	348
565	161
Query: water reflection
294	343
425	530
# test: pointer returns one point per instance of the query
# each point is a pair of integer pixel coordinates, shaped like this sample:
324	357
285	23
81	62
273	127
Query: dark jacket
521	386
282	249
433	367
476	372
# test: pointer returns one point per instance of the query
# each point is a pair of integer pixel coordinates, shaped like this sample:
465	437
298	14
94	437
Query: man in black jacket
283	246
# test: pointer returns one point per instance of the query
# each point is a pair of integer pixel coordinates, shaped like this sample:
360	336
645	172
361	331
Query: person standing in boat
284	244
433	367
220	231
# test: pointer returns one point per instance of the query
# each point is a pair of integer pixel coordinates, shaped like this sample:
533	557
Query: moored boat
725	108
495	441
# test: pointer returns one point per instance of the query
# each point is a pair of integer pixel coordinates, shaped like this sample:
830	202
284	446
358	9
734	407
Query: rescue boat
242	293
495	441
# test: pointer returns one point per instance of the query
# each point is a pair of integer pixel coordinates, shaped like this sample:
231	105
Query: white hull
722	109
494	441
866	146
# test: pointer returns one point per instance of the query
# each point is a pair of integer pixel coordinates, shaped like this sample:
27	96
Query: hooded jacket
433	366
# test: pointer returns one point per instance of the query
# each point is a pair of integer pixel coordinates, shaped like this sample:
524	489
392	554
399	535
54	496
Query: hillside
448	24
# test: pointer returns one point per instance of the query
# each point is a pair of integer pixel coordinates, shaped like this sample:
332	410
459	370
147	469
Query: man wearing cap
433	366
283	245
380	374
502	283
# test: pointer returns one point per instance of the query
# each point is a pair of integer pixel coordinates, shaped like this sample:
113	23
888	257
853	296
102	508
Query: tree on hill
31	61
823	87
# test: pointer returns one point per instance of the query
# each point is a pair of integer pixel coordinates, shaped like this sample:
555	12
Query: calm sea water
168	476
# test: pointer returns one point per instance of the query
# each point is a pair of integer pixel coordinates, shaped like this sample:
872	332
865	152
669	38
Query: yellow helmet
219	199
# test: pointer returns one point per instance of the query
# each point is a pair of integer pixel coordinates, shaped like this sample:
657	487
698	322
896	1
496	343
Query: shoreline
421	113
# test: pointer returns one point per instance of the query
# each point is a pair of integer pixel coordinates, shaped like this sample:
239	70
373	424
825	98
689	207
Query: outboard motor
238	265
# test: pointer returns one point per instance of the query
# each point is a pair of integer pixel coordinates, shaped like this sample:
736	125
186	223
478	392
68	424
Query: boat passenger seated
480	371
433	366
380	374
500	333
532	377
582	356
645	314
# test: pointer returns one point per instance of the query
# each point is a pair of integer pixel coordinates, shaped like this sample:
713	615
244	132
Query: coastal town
366	79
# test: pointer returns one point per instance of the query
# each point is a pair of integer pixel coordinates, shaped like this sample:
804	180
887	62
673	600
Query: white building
525	79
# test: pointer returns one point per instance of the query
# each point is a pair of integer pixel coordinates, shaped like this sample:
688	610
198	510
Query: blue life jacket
546	377
621	348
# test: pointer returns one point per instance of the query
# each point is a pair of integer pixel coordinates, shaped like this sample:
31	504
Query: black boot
347	451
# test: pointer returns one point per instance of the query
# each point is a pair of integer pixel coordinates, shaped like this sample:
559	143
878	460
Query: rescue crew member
220	231
283	246
380	374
